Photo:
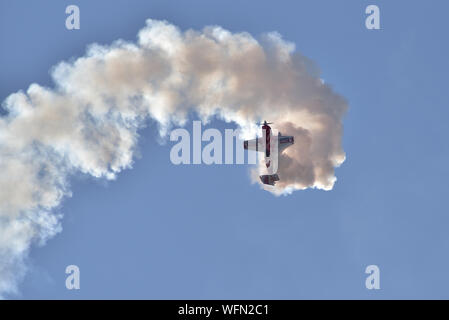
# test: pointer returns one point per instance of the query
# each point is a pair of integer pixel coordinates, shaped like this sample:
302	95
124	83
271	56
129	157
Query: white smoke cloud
88	122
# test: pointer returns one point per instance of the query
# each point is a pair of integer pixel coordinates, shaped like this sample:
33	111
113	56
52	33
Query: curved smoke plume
88	122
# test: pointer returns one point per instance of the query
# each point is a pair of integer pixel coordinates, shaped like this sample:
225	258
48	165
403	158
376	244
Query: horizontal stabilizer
269	179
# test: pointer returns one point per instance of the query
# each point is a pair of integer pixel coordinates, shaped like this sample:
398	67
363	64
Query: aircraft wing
254	144
285	142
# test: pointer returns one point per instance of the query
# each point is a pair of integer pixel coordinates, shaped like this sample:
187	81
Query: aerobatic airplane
265	146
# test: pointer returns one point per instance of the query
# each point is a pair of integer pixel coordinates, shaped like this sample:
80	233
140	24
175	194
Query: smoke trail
88	122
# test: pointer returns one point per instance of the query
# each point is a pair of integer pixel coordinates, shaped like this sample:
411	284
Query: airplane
283	143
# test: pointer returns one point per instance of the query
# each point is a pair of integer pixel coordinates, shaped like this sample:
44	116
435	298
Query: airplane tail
269	179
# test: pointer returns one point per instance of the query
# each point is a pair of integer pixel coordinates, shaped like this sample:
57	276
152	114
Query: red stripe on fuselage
267	139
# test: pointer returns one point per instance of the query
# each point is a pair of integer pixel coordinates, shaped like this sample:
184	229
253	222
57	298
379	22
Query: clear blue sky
188	232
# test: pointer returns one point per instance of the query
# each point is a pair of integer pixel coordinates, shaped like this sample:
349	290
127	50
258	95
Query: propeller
264	123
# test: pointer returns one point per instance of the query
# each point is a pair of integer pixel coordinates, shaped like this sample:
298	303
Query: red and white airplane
265	144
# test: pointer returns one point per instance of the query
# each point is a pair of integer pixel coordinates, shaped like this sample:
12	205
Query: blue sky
202	232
